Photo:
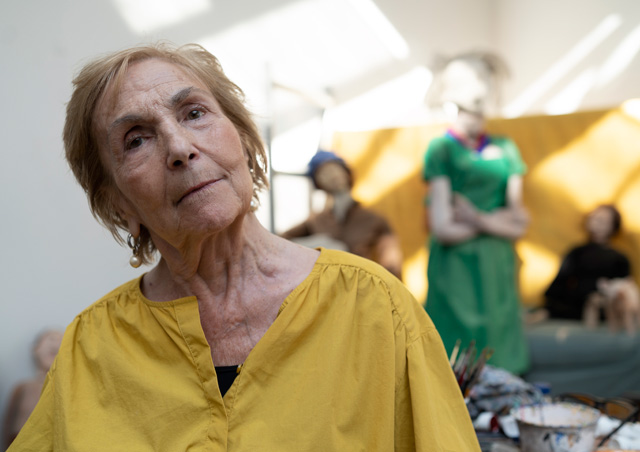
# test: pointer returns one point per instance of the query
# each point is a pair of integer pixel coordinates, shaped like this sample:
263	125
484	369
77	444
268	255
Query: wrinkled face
332	177
177	161
599	224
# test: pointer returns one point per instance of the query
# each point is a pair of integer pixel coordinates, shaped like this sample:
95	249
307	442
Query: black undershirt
226	377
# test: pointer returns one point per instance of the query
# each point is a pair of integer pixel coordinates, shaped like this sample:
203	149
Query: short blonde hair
79	135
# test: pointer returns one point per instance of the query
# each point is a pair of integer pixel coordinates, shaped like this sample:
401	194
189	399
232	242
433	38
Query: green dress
473	290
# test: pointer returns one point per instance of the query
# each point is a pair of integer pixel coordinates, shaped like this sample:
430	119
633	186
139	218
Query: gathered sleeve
430	412
431	415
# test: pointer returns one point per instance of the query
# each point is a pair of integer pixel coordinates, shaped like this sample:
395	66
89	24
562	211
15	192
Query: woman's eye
194	114
134	143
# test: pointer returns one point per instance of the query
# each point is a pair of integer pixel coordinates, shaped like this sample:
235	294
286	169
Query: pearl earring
134	244
254	204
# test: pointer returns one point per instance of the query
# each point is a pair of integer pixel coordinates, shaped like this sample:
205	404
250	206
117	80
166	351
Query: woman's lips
196	188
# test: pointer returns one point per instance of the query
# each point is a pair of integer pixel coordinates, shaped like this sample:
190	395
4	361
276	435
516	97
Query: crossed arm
454	219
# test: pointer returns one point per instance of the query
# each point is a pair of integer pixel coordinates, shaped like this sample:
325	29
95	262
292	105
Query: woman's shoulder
350	272
375	288
116	304
349	261
99	322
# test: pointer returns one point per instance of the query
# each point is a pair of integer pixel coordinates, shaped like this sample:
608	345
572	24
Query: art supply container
556	427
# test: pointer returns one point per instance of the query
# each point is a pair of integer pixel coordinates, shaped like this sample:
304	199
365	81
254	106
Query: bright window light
620	58
144	16
384	29
632	108
568	101
562	67
307	44
395	103
293	149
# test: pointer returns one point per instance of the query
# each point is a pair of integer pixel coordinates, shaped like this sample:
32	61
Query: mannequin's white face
470	124
599	225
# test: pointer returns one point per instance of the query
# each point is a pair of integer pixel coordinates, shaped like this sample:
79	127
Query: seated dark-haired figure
584	281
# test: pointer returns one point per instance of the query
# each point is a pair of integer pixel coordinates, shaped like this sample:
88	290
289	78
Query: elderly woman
236	340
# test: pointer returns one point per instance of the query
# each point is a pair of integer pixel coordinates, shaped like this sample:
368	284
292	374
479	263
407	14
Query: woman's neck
240	279
209	264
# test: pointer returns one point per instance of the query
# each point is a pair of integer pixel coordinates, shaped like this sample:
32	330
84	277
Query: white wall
569	54
56	259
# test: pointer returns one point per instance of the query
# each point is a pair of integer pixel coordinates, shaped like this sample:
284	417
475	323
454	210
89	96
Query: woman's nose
180	148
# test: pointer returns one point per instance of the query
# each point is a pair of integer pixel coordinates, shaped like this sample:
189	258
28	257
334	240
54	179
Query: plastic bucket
557	427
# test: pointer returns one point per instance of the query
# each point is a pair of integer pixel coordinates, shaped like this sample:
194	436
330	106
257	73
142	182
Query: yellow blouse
351	363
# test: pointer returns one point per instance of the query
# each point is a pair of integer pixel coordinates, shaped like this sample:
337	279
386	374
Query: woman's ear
127	213
134	227
133	222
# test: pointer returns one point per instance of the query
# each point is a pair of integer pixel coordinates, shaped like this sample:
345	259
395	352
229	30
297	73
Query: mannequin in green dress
475	213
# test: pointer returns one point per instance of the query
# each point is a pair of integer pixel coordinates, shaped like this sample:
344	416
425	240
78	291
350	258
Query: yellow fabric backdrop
575	162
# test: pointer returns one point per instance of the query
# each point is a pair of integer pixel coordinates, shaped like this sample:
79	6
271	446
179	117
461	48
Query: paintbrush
465	361
454	353
459	359
477	370
467	355
468	365
473	370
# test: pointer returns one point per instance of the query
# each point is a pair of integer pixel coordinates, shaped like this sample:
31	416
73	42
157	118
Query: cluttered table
512	415
564	437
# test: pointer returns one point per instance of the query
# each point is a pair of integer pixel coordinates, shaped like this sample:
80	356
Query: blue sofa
573	358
